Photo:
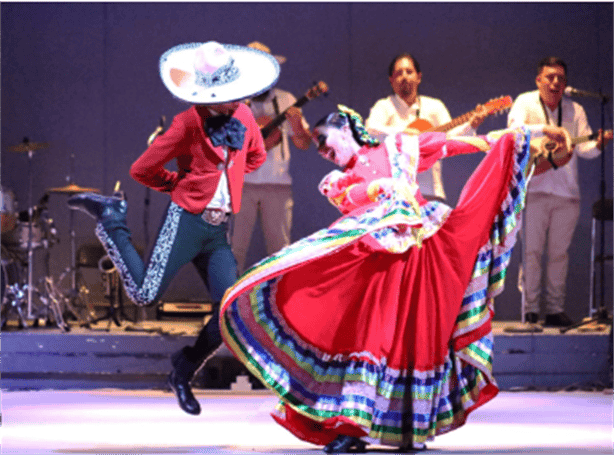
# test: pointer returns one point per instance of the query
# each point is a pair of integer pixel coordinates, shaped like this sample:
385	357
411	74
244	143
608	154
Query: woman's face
336	144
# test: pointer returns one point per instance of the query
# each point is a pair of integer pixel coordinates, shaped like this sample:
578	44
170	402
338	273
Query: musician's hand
479	115
605	138
302	136
294	116
559	135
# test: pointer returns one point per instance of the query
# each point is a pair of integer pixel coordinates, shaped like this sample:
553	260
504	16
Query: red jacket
199	163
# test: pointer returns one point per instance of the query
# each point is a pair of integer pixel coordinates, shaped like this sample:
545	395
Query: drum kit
48	299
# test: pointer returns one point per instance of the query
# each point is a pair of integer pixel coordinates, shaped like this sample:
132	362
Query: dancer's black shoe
98	206
346	444
410	448
179	382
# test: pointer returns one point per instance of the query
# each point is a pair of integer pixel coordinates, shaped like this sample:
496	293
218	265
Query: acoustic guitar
492	107
558	155
269	127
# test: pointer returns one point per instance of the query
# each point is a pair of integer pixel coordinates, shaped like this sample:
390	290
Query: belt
215	216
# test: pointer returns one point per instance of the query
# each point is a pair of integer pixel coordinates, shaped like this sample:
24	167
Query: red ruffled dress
379	326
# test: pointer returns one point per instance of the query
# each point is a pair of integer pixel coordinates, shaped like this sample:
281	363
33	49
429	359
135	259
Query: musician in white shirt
553	200
268	190
395	113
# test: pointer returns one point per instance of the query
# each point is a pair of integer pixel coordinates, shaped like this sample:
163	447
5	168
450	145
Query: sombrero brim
258	72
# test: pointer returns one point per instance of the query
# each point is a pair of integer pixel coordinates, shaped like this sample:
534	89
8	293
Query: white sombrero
214	73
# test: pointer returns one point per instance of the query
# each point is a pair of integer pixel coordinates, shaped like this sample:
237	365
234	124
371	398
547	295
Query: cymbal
73	189
29	146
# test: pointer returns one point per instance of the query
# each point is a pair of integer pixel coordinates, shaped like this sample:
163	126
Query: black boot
98	206
179	382
345	444
411	448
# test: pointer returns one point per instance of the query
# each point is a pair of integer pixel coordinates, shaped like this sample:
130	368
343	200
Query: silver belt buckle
214	217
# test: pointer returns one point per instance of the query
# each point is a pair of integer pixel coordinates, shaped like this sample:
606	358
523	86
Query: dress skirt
389	341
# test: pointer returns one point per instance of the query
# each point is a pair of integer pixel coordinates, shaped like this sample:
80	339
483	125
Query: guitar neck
451	124
269	127
491	107
581	139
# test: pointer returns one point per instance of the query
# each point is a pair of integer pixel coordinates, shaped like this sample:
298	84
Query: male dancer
215	142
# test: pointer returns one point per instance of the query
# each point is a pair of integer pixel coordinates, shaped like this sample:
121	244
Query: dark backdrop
84	77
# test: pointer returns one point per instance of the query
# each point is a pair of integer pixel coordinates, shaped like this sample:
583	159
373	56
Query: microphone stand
601	315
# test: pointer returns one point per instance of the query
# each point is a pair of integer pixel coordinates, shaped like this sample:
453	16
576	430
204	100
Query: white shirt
276	168
527	109
221	197
392	115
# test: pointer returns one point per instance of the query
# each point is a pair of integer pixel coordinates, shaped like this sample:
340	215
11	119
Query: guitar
269	126
559	156
492	107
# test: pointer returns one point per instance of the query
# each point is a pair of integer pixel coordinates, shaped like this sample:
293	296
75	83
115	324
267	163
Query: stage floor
150	422
137	356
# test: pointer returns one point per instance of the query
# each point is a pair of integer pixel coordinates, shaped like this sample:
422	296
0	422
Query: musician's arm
301	136
590	149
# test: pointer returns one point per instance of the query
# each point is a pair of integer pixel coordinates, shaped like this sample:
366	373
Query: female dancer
377	329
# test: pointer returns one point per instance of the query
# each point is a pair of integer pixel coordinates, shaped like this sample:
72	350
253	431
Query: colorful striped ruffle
493	258
320	394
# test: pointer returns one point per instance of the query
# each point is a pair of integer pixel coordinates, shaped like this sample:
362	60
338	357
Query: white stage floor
150	422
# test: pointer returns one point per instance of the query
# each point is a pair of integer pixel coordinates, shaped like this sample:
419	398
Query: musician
268	190
397	112
553	201
214	142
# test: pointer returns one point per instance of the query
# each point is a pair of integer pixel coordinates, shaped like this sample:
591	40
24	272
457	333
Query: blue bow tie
224	130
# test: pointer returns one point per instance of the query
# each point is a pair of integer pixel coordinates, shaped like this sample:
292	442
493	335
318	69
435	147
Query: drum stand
29	147
29	288
30	216
59	301
15	295
54	298
74	293
14	291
